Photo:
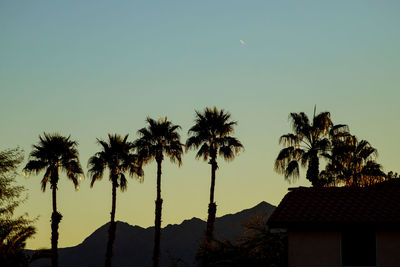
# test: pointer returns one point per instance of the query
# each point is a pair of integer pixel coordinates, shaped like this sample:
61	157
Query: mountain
134	244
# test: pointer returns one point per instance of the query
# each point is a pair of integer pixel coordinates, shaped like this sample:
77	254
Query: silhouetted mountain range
134	244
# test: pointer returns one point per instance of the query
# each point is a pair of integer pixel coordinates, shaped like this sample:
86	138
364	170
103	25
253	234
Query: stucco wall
388	244
314	249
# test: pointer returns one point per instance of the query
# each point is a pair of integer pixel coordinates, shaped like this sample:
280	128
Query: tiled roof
378	204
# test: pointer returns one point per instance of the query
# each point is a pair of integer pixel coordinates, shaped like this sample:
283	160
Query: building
341	226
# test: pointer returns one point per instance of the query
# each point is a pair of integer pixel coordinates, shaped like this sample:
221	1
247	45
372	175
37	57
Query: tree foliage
256	247
14	230
392	175
117	156
304	147
352	162
158	138
55	153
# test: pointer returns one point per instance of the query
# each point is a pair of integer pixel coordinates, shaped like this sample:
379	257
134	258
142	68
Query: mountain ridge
135	244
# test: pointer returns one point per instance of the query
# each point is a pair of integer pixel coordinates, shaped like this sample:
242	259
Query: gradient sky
88	68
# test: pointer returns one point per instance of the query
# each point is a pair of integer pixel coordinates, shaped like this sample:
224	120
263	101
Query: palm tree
52	154
158	138
117	157
305	145
211	134
352	162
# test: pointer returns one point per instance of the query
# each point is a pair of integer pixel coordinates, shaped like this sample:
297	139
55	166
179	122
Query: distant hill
134	244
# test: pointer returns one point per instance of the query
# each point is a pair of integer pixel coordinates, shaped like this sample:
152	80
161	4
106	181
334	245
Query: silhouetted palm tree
117	157
352	162
304	146
211	134
159	138
54	153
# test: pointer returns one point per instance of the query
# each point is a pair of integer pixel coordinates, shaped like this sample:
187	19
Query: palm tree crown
54	153
307	142
159	137
211	135
117	157
352	162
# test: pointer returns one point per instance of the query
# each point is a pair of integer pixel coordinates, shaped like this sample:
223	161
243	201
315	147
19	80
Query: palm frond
203	152
339	131
285	156
292	170
322	122
193	142
300	124
34	166
323	145
289	140
123	183
229	147
45	179
96	165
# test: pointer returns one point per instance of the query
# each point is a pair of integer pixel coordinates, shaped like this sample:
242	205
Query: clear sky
88	68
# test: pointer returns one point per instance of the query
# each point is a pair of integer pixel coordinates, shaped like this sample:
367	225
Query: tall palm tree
304	146
211	134
117	157
55	153
158	138
352	162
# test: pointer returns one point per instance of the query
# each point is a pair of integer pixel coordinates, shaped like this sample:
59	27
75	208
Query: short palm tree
117	156
304	146
352	162
55	153
211	135
159	138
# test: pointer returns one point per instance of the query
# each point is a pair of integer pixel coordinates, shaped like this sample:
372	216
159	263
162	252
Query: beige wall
314	249
388	244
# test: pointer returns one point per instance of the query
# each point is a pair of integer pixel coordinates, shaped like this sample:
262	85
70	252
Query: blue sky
88	68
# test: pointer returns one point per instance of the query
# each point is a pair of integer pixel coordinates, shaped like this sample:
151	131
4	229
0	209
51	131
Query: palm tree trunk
55	221
313	171
112	228
356	179
212	207
157	222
